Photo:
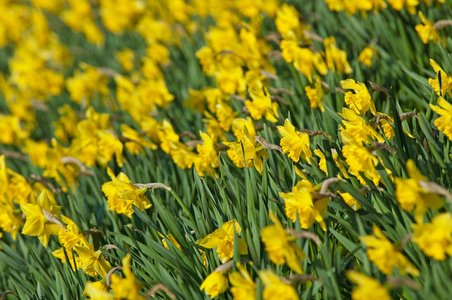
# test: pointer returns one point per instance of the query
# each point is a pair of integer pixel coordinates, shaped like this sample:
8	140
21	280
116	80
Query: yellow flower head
121	194
360	159
39	217
128	287
254	153
446	80
426	31
360	101
207	59
242	127
243	287
368	288
207	159
300	202
385	256
280	246
352	202
410	5
70	236
336	59
315	95
295	143
92	261
109	145
275	288
10	218
182	155
435	238
336	158
97	291
411	195
223	240
166	135
214	284
366	55
137	141
12	131
171	238
261	104
287	19
126	58
444	122
83	85
356	127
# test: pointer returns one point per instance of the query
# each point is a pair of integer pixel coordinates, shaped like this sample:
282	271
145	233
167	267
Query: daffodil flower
38	218
223	240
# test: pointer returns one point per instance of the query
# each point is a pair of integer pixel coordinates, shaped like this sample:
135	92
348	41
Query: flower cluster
258	113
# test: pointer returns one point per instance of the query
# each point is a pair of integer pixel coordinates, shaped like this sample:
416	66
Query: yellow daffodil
336	158
368	288
435	238
275	288
254	153
171	238
357	127
92	261
360	159
182	155
125	58
242	127
360	101
243	287
207	59
261	104
39	218
353	6
280	246
295	143
225	115
444	122
335	58
207	159
352	202
109	145
426	30
59	253
79	17
66	126
12	131
446	80
167	135
315	95
223	240
287	19
214	284
306	61
97	290
83	85
10	218
410	5
385	256
137	140
411	195
126	288
122	194
366	55
300	203
119	15
70	236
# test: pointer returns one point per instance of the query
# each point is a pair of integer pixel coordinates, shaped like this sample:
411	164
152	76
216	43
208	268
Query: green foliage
196	206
